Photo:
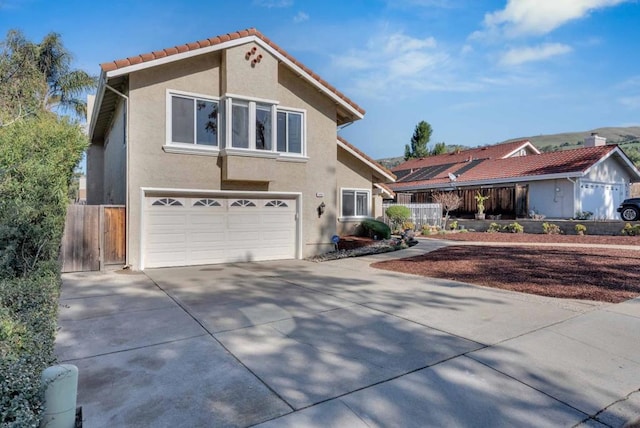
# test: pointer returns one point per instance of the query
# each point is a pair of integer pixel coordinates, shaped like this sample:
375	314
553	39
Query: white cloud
632	102
631	82
538	17
517	56
395	61
300	17
273	3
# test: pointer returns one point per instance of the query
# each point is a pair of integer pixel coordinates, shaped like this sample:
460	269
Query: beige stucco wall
151	166
352	173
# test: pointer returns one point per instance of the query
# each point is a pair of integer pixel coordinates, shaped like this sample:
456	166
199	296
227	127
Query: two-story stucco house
226	149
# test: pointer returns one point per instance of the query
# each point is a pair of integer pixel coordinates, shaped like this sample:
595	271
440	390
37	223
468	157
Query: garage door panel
167	219
203	219
218	230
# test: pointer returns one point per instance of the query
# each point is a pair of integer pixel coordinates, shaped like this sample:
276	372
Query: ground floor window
356	203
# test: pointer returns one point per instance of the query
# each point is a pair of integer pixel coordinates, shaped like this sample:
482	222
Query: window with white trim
261	125
356	203
193	120
290	132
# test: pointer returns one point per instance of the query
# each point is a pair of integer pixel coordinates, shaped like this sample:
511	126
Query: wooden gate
114	235
94	237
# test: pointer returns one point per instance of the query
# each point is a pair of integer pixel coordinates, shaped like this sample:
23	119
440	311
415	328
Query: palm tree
39	76
65	86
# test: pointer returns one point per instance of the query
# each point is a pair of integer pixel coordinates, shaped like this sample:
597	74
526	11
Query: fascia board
366	161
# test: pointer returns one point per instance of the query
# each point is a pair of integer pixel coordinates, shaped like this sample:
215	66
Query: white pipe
61	389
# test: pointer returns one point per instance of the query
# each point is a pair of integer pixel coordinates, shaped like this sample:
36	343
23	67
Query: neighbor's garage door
601	199
195	231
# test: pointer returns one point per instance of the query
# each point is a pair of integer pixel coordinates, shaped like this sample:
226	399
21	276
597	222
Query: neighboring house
519	179
226	150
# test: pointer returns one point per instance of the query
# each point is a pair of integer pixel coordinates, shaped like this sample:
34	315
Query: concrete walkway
338	344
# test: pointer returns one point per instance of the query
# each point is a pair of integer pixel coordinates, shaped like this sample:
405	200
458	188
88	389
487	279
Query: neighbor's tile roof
562	162
496	151
138	59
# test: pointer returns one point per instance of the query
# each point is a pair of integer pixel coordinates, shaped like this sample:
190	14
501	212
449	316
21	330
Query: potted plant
480	204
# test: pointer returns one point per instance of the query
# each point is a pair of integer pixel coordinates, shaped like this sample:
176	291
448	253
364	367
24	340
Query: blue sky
479	72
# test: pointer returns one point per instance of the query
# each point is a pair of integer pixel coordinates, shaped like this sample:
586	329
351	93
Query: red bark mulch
601	274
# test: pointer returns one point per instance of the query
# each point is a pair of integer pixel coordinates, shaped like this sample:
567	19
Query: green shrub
408	225
631	230
583	215
375	229
493	228
514	227
37	159
453	225
398	214
581	229
551	229
429	230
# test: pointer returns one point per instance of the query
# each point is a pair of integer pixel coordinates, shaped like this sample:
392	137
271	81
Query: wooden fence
94	237
421	214
508	201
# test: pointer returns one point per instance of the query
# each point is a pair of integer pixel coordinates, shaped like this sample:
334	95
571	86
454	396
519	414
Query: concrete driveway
341	344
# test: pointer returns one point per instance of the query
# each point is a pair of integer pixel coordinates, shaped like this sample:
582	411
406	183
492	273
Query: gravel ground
383	246
537	238
601	274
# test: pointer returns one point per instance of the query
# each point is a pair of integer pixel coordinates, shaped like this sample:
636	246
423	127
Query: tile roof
574	161
366	157
488	152
138	59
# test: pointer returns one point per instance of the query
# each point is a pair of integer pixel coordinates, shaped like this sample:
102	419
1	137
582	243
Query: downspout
126	144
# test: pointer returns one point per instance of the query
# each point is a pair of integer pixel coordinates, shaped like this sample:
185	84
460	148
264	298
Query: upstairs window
193	120
290	132
261	125
264	134
240	125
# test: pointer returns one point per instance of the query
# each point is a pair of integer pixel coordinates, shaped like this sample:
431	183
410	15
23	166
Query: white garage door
181	231
601	199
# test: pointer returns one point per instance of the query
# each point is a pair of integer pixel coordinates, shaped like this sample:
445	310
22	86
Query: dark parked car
629	209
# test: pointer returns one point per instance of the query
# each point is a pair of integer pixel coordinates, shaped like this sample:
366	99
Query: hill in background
627	138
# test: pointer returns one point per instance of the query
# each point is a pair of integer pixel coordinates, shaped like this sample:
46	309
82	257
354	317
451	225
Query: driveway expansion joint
135	348
209	333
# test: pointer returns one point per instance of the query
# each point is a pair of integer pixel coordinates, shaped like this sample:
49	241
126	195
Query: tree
65	85
36	77
439	149
419	141
20	79
450	201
